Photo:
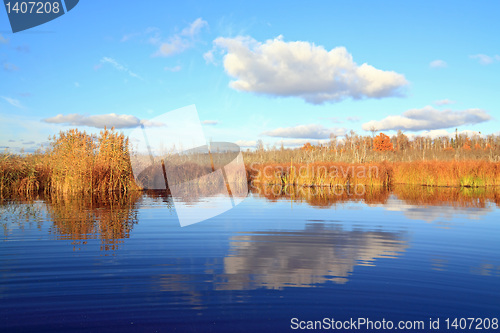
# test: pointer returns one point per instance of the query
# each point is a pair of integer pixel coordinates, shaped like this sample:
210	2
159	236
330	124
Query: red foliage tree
467	144
307	147
382	143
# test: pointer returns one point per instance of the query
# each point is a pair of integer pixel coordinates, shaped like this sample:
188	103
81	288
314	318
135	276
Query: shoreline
467	173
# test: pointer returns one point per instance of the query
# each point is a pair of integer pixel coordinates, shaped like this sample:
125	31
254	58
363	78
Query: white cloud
77	84
120	67
173	69
246	143
3	40
194	28
13	102
438	64
485	59
304	70
301	142
178	43
444	102
312	131
175	45
99	121
428	118
209	57
444	133
210	122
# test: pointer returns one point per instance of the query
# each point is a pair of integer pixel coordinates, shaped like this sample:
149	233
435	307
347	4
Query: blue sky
276	71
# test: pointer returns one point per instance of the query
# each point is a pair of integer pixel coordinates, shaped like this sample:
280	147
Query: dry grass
89	164
473	173
76	162
23	175
321	174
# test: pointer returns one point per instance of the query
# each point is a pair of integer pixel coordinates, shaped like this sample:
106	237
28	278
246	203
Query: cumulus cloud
209	57
312	131
438	64
13	102
484	59
182	41
246	143
428	118
194	28
303	70
301	142
444	102
120	67
99	121
444	133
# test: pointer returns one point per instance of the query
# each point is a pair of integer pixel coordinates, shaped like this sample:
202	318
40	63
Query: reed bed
83	163
321	174
472	173
23	175
75	162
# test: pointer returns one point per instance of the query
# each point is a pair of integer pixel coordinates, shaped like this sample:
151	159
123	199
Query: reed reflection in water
112	217
109	218
416	202
283	251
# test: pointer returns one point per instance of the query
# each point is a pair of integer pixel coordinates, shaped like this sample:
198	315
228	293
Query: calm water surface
81	264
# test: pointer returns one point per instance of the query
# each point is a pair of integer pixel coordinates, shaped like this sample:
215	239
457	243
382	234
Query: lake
283	259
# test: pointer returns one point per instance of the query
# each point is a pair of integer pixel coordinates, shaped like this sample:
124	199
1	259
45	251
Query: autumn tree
382	143
307	147
467	145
